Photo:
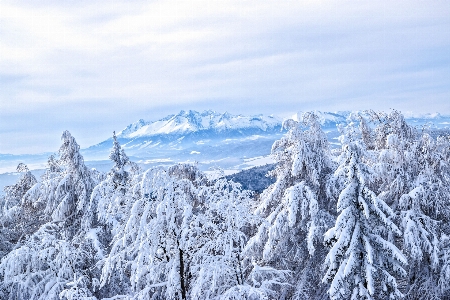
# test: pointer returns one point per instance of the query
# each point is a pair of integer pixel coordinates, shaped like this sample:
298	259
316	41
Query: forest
366	220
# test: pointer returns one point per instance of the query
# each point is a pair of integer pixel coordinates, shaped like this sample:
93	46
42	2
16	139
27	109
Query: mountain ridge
209	137
191	121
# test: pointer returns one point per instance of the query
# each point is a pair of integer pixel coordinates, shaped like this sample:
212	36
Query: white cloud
96	66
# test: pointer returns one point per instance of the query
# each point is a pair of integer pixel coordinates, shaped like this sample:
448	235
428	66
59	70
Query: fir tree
361	263
296	207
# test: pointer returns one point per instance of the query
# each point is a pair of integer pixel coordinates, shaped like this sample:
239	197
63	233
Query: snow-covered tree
153	247
183	239
60	250
424	212
41	267
110	205
411	176
296	207
17	221
109	202
387	124
361	263
218	262
66	187
120	159
219	269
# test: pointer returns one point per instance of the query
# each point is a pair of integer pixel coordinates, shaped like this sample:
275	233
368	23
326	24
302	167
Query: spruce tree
361	263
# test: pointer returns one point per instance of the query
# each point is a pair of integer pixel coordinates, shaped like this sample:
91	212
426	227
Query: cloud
97	66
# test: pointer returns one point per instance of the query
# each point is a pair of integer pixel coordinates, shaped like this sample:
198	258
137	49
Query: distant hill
212	139
254	179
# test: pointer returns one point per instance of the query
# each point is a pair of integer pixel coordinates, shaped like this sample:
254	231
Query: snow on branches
367	221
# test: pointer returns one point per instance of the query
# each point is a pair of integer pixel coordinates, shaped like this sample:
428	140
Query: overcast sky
95	66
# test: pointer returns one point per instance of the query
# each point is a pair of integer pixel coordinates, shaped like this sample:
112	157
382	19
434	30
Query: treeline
254	179
367	221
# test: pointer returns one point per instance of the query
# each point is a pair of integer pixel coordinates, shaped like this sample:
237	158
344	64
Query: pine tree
110	204
120	159
61	249
296	207
219	269
361	263
154	245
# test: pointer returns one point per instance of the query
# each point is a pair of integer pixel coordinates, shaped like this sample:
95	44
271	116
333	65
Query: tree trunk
183	286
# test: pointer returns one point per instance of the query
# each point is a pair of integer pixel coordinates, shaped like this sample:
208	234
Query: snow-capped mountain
193	121
207	137
212	139
327	119
222	139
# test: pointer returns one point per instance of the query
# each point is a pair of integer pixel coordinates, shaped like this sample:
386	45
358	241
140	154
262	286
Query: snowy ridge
210	138
326	119
428	116
186	122
193	121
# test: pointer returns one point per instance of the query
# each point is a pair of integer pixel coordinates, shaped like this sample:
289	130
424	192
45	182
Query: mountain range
212	139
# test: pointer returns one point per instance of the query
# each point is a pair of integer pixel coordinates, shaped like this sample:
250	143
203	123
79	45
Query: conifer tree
296	207
17	220
60	250
219	269
361	263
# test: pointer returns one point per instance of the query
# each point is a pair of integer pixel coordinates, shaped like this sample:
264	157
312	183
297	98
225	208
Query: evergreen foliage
367	221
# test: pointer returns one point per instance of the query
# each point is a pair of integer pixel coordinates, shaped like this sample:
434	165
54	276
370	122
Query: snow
325	118
139	139
92	235
225	172
138	234
192	121
151	161
257	161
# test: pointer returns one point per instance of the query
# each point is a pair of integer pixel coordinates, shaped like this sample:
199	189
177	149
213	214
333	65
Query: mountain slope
193	121
213	138
210	138
207	137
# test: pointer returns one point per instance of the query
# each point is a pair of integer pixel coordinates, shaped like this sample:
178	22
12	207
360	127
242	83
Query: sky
92	67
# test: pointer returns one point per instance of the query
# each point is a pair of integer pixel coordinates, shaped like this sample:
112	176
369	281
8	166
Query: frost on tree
16	220
65	189
183	239
218	265
58	252
393	141
425	215
155	244
41	267
120	159
110	206
412	177
361	263
296	207
110	203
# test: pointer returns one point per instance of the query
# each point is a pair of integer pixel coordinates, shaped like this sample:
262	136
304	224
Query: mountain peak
193	121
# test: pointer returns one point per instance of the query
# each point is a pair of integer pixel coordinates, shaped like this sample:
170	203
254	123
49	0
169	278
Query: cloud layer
95	67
